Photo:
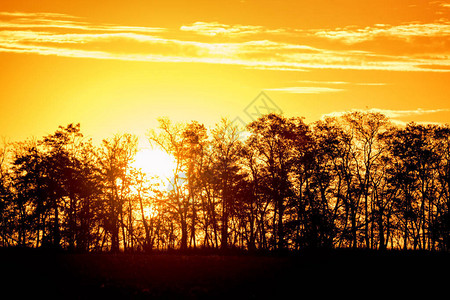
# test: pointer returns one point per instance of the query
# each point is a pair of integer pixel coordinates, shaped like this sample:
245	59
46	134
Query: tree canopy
350	181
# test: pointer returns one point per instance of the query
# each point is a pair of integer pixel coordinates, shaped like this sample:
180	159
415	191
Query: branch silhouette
353	181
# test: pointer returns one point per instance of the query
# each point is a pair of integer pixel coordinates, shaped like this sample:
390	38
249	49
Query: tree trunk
56	230
280	244
184	235
224	229
114	228
71	222
381	231
146	229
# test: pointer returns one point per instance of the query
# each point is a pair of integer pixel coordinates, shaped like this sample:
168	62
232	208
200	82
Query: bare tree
171	139
117	154
225	153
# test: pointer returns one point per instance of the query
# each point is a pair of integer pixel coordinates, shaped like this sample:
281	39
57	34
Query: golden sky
116	66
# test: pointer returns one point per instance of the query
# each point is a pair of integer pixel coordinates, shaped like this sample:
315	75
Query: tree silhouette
116	156
224	169
352	181
440	227
171	138
273	137
4	195
29	202
194	143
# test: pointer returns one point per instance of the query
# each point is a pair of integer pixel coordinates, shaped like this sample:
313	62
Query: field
307	275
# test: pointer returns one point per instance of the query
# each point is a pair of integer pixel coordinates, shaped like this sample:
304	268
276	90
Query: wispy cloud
394	115
320	87
317	82
407	113
70	36
217	29
323	82
441	3
20	20
305	90
37	14
405	32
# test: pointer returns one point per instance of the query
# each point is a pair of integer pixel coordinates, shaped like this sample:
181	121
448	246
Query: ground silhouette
196	275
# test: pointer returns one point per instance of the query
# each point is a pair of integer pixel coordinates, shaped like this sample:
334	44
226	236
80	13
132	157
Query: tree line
353	181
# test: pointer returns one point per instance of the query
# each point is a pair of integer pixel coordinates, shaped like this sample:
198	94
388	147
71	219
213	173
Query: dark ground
307	275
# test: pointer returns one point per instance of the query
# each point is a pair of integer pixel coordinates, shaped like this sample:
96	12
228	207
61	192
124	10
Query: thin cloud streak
406	113
393	114
217	29
100	41
37	14
305	90
341	83
405	32
63	21
214	28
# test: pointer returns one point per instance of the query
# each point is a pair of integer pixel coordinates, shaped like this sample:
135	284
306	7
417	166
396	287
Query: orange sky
116	66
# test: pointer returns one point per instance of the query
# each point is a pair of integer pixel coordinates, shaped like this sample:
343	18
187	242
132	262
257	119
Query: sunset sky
116	66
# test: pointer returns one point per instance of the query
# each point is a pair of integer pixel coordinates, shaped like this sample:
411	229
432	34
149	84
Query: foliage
351	181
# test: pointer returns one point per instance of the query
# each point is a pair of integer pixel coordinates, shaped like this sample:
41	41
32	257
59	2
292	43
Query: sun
155	162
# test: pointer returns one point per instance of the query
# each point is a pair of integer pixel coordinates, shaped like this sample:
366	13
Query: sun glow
155	162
